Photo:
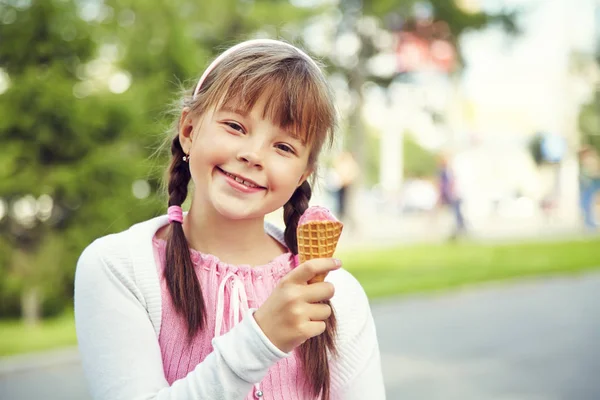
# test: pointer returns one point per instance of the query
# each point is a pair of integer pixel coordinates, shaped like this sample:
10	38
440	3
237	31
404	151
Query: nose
251	157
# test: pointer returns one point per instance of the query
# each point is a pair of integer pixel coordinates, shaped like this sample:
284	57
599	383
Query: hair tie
175	214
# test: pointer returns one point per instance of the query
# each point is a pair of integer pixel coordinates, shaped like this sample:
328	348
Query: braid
292	211
179	175
313	352
180	275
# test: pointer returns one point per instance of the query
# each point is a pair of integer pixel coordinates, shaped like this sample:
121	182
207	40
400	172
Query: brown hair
299	100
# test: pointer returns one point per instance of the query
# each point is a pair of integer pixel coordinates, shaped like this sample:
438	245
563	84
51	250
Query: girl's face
242	166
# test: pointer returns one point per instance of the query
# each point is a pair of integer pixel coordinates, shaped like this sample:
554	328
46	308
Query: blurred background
466	170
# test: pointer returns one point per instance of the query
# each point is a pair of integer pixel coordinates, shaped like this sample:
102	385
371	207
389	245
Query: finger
319	312
309	269
315	328
318	292
317	278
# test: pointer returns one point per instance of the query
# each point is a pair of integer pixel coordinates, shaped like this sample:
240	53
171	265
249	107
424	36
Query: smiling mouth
241	180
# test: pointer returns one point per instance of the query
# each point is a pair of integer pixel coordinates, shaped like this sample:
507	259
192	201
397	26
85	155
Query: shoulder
110	249
123	245
113	257
106	258
275	232
347	284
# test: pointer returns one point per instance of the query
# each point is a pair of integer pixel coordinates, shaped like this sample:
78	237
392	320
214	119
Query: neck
232	241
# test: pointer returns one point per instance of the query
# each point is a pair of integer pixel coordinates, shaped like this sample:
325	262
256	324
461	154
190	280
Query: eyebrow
296	137
233	110
230	109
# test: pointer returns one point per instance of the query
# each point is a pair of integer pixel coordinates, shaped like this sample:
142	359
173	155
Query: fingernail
338	262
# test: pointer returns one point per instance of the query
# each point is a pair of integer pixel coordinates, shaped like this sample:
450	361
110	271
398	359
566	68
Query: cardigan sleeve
120	352
357	371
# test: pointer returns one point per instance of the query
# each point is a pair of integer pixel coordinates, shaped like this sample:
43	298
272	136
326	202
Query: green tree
418	162
86	86
589	122
589	116
64	174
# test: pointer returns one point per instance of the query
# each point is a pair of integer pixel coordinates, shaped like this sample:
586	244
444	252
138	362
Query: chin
234	210
238	210
232	214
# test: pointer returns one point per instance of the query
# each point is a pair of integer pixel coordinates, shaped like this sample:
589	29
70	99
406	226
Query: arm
367	381
120	353
357	371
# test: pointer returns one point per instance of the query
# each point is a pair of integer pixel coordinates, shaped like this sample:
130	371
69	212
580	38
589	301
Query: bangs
296	100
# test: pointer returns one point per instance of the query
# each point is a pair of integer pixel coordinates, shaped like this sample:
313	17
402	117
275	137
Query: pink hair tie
175	214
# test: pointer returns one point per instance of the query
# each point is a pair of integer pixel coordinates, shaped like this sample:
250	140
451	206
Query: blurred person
212	304
342	175
449	195
589	185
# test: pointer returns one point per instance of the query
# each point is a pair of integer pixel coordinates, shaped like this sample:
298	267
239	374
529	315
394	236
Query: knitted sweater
125	328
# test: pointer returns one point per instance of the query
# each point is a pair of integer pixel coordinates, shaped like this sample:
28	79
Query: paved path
527	341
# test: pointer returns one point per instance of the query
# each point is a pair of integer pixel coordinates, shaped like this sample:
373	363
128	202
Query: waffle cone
318	239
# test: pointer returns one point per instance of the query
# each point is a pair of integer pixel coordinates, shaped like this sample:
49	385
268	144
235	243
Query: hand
293	313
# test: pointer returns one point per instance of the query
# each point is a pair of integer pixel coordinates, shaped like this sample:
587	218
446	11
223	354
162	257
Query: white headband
239	46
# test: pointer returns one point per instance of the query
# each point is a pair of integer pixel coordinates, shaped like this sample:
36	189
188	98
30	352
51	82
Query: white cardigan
118	317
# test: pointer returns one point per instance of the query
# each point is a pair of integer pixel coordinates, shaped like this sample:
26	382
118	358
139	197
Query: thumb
311	268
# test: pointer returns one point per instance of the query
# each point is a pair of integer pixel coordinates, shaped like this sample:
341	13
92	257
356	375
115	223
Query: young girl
212	304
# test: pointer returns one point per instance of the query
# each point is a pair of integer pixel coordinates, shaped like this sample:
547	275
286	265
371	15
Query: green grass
421	268
384	272
16	338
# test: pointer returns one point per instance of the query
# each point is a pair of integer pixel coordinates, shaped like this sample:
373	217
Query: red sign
416	51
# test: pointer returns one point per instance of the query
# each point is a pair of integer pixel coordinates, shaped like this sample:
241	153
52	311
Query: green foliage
66	135
444	10
371	170
418	161
589	123
47	34
535	149
41	125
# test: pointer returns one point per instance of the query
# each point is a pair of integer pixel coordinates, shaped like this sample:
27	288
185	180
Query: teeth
240	180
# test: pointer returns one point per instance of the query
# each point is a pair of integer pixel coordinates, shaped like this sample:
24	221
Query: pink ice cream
316	213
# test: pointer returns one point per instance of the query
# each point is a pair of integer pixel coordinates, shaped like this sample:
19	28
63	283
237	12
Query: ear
305	176
186	130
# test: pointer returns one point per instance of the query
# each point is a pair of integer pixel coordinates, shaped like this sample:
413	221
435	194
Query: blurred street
536	339
531	340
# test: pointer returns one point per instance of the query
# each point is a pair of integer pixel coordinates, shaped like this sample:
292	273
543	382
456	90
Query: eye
235	126
285	147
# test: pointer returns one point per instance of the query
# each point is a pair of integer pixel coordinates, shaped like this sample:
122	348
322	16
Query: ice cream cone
318	239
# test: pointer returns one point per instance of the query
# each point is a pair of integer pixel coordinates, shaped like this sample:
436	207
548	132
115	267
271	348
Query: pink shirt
229	291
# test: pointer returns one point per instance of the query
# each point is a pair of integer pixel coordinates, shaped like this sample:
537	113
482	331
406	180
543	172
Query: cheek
210	151
287	179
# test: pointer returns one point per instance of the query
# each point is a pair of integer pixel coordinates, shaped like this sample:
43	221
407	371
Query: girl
212	304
